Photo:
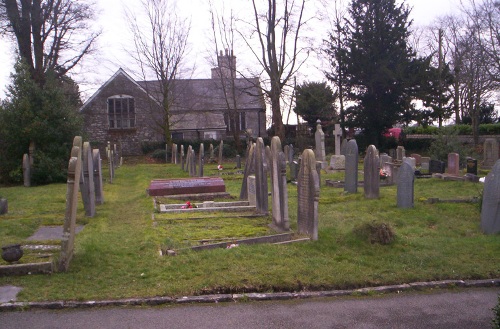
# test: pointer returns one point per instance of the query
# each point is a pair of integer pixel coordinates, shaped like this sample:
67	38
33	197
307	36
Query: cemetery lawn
117	253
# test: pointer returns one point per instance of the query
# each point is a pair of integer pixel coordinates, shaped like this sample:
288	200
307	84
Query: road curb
220	298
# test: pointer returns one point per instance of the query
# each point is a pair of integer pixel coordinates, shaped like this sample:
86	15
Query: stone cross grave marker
338	137
319	137
453	164
88	190
221	149
308	196
98	187
351	167
491	153
74	174
278	188
372	173
249	170
405	187
261	169
26	170
490	209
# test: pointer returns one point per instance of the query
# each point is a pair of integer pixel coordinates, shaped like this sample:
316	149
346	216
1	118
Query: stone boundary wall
463	138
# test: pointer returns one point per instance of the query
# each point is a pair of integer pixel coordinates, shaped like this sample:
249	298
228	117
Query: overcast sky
111	54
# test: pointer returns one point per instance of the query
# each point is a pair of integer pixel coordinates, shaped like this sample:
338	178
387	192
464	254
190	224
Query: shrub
159	154
375	232
447	142
148	147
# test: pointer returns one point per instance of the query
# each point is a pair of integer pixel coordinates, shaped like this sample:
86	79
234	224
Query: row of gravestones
84	175
179	157
262	160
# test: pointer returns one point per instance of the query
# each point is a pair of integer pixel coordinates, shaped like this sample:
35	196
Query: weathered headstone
221	149
491	154
424	163
238	161
192	167
372	173
338	137
201	160
88	187
319	137
308	196
400	153
351	167
26	170
178	186
490	209
188	159
211	158
268	156
294	170
411	161
384	158
319	165
405	189
453	164
418	159
251	191
343	146
280	222
291	153
261	169
472	166
286	150
436	167
249	170
182	157
337	162
74	173
98	187
4	206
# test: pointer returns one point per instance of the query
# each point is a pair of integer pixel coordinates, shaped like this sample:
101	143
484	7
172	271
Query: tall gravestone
221	150
182	157
211	158
372	173
261	169
405	187
319	137
291	154
98	187
74	174
308	196
26	170
491	153
88	188
286	150
400	153
338	137
166	153
201	160
351	167
249	170
453	164
343	147
490	209
238	161
280	221
188	158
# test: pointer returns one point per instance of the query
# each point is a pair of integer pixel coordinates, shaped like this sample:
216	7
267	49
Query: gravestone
343	147
211	158
166	153
436	167
88	187
424	163
249	170
182	157
201	160
400	153
178	186
221	148
337	162
286	150
251	191
490	209
268	156
26	170
294	170
116	160
74	174
453	164
405	187
261	169
418	159
472	166
174	153
338	137
319	137
188	159
319	165
280	222
308	196
238	161
372	173
411	161
385	158
351	167
98	187
4	206
192	163
291	154
491	153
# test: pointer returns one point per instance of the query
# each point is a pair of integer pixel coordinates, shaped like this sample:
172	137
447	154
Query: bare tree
277	29
160	47
51	35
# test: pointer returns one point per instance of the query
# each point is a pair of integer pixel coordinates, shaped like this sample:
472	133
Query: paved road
468	308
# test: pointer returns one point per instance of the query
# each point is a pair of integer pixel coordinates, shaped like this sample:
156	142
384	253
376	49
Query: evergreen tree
379	63
47	116
315	101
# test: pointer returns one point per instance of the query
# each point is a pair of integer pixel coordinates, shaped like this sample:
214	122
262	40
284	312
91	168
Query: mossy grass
117	253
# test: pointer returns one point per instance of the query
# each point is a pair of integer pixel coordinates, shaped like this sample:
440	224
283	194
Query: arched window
121	112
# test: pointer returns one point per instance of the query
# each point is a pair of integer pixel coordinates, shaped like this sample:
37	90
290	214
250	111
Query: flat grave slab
182	186
9	293
51	233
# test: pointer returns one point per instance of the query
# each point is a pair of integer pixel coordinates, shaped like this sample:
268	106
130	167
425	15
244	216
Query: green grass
117	254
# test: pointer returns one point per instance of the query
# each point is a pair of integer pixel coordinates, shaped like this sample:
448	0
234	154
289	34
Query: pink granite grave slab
161	187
